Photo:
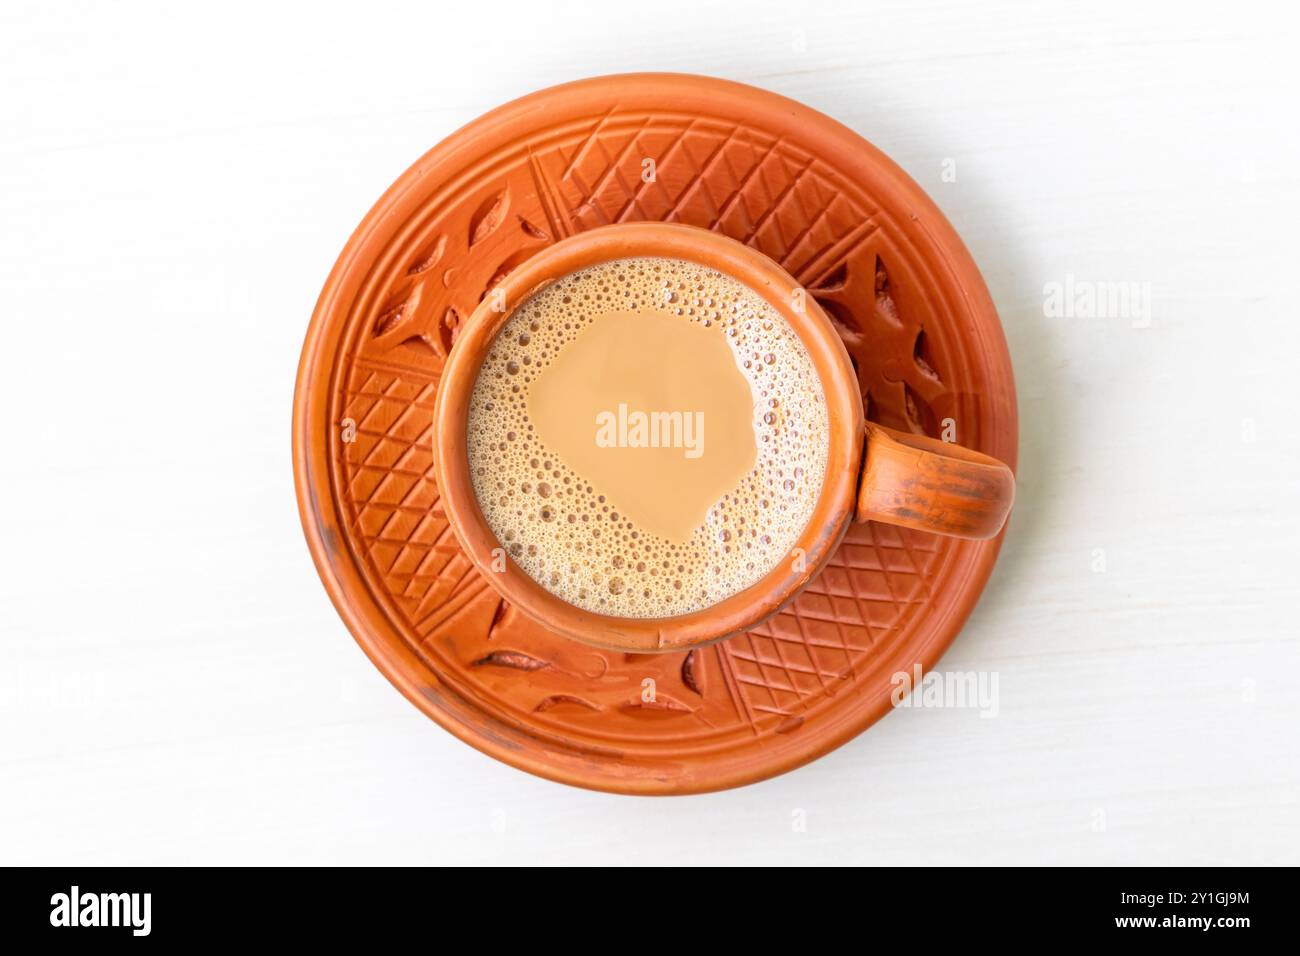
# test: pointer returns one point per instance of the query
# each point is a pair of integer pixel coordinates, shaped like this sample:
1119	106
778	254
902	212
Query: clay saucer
838	215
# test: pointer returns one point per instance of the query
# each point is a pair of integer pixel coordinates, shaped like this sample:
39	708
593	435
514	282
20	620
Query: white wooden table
176	688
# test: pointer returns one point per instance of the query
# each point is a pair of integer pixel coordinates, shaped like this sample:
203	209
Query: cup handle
930	485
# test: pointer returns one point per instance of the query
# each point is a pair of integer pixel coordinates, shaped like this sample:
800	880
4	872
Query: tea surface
647	437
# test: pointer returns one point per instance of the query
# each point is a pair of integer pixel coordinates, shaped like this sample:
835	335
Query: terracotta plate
846	222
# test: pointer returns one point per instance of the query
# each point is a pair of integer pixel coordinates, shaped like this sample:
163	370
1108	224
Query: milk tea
647	437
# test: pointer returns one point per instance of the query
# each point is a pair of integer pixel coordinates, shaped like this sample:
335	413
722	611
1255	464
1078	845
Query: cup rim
830	517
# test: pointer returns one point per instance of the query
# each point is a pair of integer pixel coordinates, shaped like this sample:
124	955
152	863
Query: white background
175	183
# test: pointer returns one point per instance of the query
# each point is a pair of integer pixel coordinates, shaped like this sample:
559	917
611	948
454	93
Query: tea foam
569	535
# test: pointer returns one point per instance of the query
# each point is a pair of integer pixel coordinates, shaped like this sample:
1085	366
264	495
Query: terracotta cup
873	473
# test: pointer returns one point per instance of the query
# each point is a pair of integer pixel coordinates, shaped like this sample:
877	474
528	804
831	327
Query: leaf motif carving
689	676
922	356
514	659
535	231
884	294
430	258
448	329
559	700
920	417
661	706
488	217
789	725
507	266
389	319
